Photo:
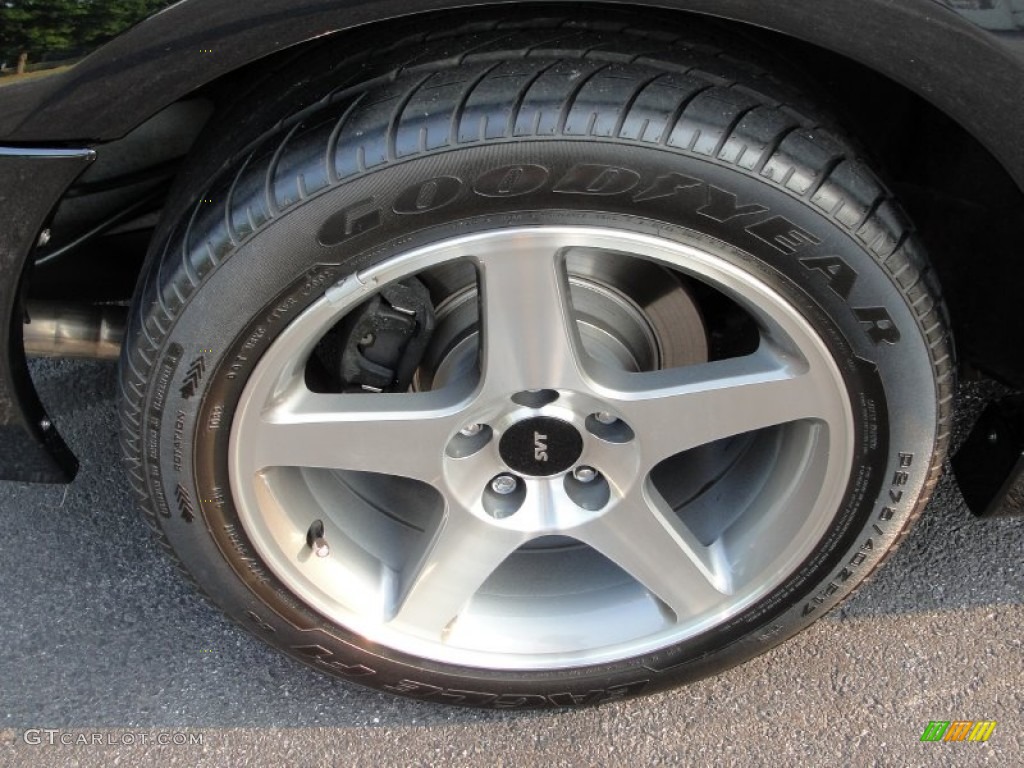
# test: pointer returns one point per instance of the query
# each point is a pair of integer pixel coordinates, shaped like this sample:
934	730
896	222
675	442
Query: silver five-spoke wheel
552	501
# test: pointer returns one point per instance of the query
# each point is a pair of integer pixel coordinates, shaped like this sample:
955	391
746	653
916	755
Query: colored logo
958	730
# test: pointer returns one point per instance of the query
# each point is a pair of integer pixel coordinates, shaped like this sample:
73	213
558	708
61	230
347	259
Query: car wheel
554	366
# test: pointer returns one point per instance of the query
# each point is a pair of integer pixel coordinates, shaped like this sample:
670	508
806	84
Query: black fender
30	181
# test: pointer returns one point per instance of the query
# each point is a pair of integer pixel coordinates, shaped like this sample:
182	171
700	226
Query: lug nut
320	547
504	484
585	474
471	429
605	418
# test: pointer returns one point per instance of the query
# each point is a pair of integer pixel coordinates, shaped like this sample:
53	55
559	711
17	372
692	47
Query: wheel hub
541	446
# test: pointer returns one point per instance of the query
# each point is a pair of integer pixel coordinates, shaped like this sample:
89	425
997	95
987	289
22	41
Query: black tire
646	131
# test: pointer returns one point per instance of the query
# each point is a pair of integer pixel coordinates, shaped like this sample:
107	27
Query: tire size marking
893	497
594	180
899	479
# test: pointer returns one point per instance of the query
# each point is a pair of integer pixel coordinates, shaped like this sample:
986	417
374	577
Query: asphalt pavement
103	642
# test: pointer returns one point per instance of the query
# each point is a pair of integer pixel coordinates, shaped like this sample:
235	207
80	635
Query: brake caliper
378	346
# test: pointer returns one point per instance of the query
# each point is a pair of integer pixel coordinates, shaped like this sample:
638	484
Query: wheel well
961	199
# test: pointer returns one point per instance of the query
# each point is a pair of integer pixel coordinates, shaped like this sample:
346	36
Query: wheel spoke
683	408
645	538
530	338
463	553
391	434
